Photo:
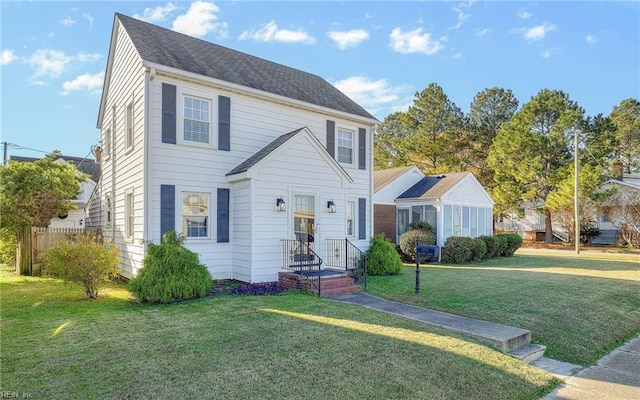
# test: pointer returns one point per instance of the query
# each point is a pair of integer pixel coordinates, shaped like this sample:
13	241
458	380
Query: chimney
617	170
97	152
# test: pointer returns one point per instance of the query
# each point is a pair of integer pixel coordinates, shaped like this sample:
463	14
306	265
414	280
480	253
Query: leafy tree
489	110
626	119
436	126
389	143
530	152
600	142
31	193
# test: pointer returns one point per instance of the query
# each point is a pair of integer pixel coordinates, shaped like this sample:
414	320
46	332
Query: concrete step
528	353
336	291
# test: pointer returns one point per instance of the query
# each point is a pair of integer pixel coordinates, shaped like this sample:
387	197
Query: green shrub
383	257
7	247
84	260
492	246
170	272
457	250
514	241
502	245
409	238
479	250
421	226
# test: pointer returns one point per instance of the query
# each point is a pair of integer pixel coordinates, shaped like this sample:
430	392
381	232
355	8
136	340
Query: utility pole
576	203
4	160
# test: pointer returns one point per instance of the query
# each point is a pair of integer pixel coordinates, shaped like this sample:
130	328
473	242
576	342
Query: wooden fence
32	248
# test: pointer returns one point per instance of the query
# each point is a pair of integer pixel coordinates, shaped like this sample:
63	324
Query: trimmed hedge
458	250
514	241
479	250
383	257
492	246
171	272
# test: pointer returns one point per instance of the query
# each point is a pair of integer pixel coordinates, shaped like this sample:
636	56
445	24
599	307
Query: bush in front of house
514	241
457	250
383	257
492	246
479	250
7	247
171	272
84	260
503	242
409	238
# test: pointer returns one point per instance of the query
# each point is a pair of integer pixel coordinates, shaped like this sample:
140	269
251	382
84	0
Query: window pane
481	224
195	212
474	222
431	216
403	221
196	120
457	220
448	221
416	214
345	146
465	221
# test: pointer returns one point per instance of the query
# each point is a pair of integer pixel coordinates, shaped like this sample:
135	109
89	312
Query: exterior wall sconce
331	206
281	205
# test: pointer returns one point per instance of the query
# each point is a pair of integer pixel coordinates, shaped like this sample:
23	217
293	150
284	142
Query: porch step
529	352
335	286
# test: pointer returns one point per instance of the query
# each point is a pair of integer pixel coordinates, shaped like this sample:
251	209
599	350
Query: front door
304	219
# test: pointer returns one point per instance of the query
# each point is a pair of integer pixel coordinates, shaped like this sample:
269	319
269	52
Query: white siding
391	191
126	84
468	192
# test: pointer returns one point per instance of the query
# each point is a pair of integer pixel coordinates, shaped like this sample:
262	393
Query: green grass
580	306
57	344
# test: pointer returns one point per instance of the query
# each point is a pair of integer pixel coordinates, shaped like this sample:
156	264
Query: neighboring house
76	218
236	152
626	200
454	204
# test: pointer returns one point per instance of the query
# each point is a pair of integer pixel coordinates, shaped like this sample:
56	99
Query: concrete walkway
615	377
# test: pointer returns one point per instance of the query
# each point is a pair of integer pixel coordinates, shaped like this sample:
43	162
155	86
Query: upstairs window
345	146
197	120
128	134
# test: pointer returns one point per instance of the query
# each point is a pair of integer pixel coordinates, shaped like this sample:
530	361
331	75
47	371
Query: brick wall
384	221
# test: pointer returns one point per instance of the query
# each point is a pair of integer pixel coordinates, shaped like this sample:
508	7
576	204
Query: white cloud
538	32
346	39
591	39
270	33
199	20
374	95
89	18
481	32
156	14
84	83
7	57
548	53
524	14
68	21
462	17
48	63
415	42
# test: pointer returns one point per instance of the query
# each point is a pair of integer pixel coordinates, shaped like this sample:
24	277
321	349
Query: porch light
281	205
331	206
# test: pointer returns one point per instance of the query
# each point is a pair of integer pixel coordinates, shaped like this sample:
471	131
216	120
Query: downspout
149	74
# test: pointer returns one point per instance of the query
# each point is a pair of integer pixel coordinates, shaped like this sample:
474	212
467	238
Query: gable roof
165	47
433	186
383	177
278	144
86	165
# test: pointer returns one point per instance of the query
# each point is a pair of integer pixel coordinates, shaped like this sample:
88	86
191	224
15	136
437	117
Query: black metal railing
299	256
344	255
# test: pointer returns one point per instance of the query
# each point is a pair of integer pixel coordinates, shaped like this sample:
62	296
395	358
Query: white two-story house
236	152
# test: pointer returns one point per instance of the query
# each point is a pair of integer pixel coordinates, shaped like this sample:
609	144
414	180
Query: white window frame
181	215
129	126
182	95
339	145
351	209
129	215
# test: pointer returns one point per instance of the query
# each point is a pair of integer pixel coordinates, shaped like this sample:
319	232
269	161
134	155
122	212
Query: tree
436	125
530	152
623	209
389	143
489	110
626	119
31	193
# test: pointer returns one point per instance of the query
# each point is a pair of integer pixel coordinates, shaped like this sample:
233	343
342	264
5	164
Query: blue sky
53	54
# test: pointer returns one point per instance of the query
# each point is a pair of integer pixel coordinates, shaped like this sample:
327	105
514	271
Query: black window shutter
168	113
223	216
331	137
362	148
362	218
167	209
224	123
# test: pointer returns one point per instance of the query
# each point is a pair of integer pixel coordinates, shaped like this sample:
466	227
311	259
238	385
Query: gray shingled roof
86	165
434	186
172	49
262	153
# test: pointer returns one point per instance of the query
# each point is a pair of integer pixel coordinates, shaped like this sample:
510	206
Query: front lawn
57	344
580	306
